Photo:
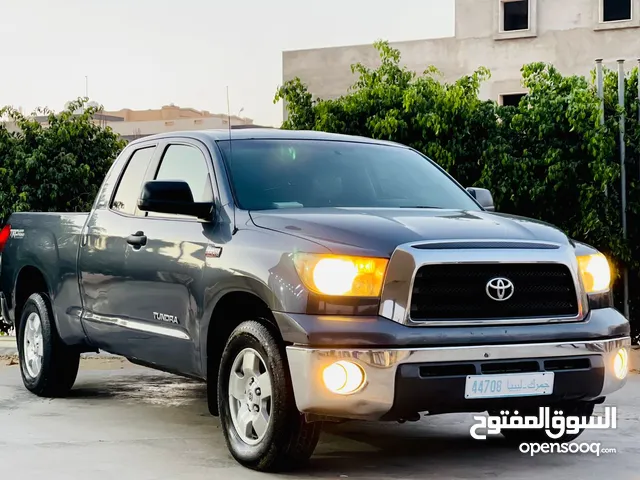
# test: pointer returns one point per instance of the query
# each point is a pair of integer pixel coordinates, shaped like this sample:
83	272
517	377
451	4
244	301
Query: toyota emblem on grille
500	289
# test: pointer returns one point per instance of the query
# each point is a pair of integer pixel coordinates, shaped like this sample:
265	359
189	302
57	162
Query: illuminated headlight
595	273
341	275
343	377
621	364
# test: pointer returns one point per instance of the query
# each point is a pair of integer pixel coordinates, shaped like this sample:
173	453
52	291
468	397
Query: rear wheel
48	366
262	427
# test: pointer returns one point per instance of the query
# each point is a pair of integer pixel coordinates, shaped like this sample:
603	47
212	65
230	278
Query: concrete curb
8	345
634	359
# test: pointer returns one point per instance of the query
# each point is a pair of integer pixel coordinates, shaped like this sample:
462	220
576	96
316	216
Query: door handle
138	239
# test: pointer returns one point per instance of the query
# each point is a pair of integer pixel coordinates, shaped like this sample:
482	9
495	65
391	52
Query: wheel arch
231	308
30	280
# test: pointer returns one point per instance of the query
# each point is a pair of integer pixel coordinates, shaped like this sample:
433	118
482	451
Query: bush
55	168
548	158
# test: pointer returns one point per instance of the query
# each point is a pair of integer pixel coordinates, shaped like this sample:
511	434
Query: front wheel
48	366
262	427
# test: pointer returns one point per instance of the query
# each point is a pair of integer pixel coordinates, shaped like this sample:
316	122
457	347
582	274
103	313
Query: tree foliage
58	167
549	158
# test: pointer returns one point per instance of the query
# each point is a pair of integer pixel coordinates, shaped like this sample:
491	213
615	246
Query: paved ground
7	345
127	422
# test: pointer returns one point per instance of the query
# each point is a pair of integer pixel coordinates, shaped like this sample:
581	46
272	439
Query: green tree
549	158
58	167
393	103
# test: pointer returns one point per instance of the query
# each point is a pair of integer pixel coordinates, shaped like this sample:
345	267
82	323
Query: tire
276	437
517	437
48	366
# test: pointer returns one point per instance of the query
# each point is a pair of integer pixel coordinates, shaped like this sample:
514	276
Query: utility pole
86	86
600	85
623	176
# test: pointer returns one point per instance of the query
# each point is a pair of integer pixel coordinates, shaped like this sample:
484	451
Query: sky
142	54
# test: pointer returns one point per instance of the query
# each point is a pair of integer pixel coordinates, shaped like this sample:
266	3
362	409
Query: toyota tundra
307	278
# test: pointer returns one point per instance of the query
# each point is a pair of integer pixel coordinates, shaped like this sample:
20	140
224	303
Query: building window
616	10
512	99
515	15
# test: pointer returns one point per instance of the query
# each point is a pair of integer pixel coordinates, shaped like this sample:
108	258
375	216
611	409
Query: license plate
509	385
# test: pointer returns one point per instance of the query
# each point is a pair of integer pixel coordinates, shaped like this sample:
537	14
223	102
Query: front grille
458	292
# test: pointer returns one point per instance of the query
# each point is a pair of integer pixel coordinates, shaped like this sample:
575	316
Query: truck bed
48	241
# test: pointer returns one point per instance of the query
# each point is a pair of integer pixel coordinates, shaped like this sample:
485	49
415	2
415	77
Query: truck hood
375	231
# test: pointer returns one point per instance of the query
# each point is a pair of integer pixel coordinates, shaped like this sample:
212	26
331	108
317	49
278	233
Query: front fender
258	262
213	296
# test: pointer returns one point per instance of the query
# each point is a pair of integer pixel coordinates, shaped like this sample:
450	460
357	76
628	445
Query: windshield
270	174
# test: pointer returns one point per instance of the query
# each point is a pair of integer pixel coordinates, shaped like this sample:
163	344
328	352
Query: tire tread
60	362
294	439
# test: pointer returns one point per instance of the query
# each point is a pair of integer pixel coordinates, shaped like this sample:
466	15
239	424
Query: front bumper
401	381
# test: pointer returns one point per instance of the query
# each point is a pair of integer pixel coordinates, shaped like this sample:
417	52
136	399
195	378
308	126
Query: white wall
566	33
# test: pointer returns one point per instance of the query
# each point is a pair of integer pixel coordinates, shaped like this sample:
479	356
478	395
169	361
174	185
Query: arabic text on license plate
509	385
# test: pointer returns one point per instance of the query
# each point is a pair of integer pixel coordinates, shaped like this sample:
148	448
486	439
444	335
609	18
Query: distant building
132	124
170	118
501	35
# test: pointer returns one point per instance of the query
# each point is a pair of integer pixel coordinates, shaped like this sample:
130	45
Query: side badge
17	233
213	252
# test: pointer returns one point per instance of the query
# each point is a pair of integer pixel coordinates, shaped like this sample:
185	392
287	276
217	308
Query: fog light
343	377
621	364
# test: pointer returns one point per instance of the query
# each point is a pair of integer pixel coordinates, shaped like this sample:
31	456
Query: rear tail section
5	233
4	236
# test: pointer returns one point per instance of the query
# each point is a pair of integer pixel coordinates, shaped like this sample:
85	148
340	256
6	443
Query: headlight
341	274
595	272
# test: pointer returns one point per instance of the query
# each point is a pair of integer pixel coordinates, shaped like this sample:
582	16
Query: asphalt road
126	422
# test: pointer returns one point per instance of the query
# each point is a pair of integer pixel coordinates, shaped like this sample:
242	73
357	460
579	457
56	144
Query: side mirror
483	197
172	196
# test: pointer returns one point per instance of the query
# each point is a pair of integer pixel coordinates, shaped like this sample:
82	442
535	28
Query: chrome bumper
380	365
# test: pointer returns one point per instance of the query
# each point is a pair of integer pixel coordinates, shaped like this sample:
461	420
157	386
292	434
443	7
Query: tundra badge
165	318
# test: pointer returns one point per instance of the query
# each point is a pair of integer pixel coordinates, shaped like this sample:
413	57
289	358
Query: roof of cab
262	133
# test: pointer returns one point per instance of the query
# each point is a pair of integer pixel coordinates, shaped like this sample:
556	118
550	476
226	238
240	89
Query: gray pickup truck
310	278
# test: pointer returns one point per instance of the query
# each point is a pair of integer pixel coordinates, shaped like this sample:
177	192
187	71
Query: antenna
235	225
229	117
